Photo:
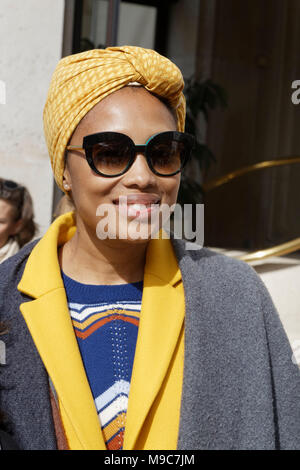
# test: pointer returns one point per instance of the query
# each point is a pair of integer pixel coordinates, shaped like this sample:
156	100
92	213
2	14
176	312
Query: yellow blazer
152	421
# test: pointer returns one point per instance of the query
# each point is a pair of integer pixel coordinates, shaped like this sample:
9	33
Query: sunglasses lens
10	185
167	156
112	157
112	153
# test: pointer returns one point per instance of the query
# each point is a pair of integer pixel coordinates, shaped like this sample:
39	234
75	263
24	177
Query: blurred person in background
17	225
17	228
6	441
136	344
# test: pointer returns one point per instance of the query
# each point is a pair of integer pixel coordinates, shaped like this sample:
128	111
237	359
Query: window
140	23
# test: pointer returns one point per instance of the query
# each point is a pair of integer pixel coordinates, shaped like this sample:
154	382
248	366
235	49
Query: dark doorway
250	48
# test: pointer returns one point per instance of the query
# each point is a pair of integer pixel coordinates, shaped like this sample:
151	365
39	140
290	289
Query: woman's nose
139	173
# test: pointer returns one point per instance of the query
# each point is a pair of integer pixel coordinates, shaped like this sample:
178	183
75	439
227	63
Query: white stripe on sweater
102	308
117	406
122	386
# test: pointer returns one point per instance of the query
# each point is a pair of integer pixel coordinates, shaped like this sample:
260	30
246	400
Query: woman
16	218
16	229
127	342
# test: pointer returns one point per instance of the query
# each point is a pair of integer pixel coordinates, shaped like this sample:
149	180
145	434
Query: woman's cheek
171	190
4	233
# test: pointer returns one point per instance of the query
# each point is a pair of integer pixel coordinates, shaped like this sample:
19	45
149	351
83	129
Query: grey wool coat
241	389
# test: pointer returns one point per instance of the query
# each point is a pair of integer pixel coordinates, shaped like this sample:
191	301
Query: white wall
31	34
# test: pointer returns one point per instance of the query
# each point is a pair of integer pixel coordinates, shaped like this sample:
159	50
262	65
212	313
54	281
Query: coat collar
44	261
161	322
62	230
49	323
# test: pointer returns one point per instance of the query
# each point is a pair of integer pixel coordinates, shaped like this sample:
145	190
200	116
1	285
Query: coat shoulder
16	260
11	271
194	258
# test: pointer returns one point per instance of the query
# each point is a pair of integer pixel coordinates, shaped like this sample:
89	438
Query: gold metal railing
214	183
278	250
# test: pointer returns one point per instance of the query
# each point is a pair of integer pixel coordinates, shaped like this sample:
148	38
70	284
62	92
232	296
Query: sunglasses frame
9	185
90	140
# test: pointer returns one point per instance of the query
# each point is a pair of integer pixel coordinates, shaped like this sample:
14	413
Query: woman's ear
66	180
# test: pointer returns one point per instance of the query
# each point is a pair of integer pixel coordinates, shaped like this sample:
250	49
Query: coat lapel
49	323
51	328
161	321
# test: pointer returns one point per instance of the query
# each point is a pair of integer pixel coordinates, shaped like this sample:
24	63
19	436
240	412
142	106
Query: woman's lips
137	198
138	206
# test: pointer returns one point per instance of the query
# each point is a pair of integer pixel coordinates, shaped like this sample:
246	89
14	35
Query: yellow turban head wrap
80	81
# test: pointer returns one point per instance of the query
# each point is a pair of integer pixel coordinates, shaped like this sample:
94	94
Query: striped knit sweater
105	320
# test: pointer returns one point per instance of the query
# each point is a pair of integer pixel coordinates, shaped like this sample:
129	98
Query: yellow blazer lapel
51	328
161	321
50	325
49	322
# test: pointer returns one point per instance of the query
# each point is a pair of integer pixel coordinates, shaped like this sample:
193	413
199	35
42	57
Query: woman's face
8	224
138	114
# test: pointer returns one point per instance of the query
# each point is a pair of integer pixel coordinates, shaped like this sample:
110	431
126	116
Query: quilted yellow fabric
81	80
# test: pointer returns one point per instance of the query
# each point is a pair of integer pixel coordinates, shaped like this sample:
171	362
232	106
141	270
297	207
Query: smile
137	206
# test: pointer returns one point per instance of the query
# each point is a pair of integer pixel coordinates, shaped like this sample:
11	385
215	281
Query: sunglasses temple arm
74	147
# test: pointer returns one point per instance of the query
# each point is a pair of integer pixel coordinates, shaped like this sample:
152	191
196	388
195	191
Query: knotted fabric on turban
81	80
